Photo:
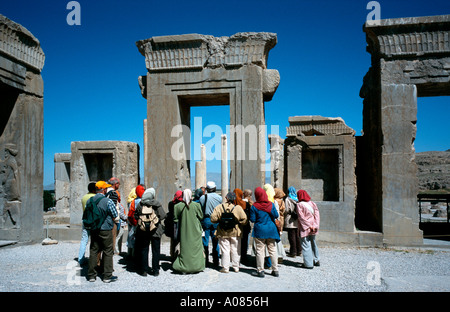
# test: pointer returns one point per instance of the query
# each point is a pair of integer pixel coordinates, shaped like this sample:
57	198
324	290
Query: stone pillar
62	183
224	165
399	170
276	161
200	169
21	134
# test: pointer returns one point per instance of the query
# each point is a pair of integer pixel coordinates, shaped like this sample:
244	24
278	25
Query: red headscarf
303	196
139	191
178	196
262	201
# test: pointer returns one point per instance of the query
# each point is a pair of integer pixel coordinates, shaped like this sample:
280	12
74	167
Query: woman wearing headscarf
169	225
229	239
139	191
153	236
187	215
246	227
271	195
308	221
291	223
265	234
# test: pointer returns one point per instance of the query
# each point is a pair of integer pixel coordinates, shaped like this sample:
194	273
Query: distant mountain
49	187
433	170
217	178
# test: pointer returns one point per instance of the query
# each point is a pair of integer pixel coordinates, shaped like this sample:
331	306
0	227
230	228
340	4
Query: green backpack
93	217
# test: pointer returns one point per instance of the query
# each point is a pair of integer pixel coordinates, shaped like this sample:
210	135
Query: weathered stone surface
92	161
317	125
62	183
195	51
410	58
276	161
324	166
21	134
188	70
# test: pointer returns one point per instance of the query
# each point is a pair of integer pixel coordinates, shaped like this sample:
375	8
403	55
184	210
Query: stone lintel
317	125
408	37
19	45
62	157
196	51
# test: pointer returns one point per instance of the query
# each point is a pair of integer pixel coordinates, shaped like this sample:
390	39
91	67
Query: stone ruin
91	161
199	70
410	58
319	156
365	185
21	133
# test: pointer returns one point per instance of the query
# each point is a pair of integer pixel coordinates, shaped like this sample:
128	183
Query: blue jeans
83	244
210	229
310	250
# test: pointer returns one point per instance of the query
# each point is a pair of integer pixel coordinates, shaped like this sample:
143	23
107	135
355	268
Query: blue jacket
264	223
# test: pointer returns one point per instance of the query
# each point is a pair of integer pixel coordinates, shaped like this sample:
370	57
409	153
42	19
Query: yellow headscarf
270	192
132	195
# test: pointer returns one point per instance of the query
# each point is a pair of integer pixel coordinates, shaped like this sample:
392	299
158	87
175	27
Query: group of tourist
193	219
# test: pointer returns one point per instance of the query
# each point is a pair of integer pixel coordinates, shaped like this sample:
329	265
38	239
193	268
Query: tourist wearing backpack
231	219
208	202
265	233
149	229
101	235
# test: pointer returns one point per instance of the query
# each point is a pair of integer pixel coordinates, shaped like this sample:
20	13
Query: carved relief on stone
9	184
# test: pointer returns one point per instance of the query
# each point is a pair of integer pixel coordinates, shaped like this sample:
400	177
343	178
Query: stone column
224	163
276	161
200	169
203	165
399	170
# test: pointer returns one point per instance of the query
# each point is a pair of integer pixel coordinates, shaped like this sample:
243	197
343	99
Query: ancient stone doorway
193	68
410	59
208	123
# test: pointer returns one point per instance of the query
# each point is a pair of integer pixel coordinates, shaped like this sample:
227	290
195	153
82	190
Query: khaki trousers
260	245
230	249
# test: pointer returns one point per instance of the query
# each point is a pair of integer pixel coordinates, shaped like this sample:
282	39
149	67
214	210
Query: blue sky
90	75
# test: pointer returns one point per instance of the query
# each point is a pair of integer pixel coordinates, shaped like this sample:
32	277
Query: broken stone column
276	161
21	134
224	166
200	169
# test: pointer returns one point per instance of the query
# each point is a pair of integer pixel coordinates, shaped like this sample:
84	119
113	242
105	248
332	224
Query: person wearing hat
102	239
230	240
208	202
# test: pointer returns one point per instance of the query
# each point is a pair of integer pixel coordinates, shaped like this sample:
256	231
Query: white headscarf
187	196
148	195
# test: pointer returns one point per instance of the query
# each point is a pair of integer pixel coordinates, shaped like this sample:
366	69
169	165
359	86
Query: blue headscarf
292	193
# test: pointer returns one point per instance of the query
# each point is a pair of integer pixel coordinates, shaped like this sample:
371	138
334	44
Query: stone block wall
21	134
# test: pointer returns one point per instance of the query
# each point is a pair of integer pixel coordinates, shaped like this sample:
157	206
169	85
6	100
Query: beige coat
238	213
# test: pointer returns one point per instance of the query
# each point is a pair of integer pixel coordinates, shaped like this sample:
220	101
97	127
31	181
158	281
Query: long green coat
191	258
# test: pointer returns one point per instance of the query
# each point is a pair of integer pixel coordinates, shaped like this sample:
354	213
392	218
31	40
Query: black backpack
93	217
227	221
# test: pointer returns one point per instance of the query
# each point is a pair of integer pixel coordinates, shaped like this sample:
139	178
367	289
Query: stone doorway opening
209	119
99	166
